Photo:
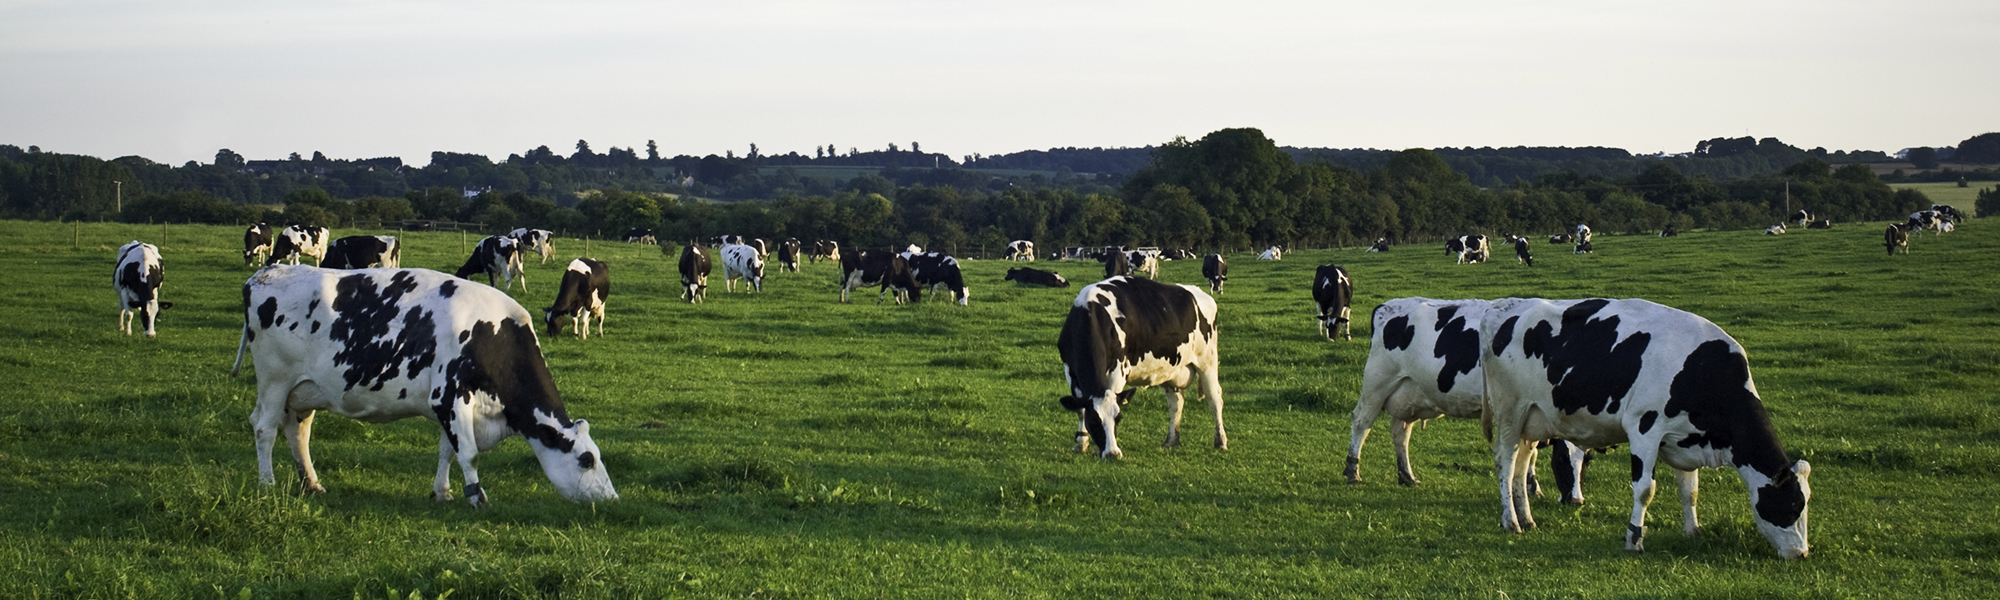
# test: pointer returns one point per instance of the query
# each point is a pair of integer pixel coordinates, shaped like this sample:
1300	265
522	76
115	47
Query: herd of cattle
1577	376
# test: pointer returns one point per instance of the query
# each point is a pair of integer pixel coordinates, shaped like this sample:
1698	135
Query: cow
788	255
1332	290
1928	219
1455	247
137	276
639	235
1897	236
825	250
1560	238
381	345
256	243
1669	231
1021	250
694	269
1582	247
1032	276
1672	384
1477	250
886	269
1801	217
913	249
1139	332
744	261
1116	263
299	240
763	247
1582	233
364	251
936	269
1272	253
1144	262
1381	245
1948	211
1178	254
1778	229
538	240
1521	252
1216	271
725	240
1946	226
1424	363
1820	224
499	257
580	296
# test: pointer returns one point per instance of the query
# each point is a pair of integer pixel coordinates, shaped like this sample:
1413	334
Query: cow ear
582	427
1125	397
1073	403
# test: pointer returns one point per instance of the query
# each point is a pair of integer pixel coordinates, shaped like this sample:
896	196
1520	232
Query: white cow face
578	474
1780	510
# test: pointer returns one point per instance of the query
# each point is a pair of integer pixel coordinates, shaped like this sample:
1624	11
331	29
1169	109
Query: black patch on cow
503	360
315	327
312	306
1457	345
403	394
1638	468
1711	389
294	327
267	311
472	490
447	289
586	460
1398	333
1782	501
281	321
1505	336
363	315
1590	369
1646	421
462	335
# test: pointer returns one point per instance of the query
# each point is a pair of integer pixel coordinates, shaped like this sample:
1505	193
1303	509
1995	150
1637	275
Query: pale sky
175	80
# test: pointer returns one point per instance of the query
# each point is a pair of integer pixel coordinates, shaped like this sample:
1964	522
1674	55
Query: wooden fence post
163	233
76	236
461	241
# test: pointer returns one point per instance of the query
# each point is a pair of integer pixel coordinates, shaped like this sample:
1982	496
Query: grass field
1949	193
784	445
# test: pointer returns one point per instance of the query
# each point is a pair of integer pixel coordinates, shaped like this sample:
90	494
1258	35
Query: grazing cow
1381	245
1676	387
1032	276
1144	262
380	345
1139	332
744	261
1801	217
1216	271
694	272
1521	252
1332	290
788	255
498	257
299	240
137	277
1455	247
580	296
886	269
1021	250
1116	263
364	251
1897	236
1272	253
825	249
1820	224
1560	238
1669	231
639	235
1778	229
256	243
540	241
933	270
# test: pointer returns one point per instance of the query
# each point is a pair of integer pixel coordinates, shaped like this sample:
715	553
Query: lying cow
1332	291
1560	238
694	269
256	243
364	251
296	241
887	269
1130	331
1669	231
788	255
742	261
1381	245
580	296
381	345
1897	236
497	256
1216	271
936	269
137	277
1272	253
1820	224
1021	250
1671	383
540	241
1033	276
1778	229
1178	254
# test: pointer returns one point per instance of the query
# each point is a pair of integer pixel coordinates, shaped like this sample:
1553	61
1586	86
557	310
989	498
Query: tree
892	147
915	148
652	151
1923	157
1982	149
224	158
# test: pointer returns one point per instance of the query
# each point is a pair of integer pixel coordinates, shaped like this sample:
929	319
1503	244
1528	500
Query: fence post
163	233
76	235
461	241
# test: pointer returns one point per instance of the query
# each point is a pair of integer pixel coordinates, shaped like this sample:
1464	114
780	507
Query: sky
175	80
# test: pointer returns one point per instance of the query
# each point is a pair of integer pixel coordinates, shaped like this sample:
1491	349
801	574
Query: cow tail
242	342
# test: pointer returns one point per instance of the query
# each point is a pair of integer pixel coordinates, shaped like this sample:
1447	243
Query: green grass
1949	193
785	445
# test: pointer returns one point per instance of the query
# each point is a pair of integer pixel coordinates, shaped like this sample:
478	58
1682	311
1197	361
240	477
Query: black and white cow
1669	231
1021	250
1381	245
788	255
1778	229
1033	276
1560	238
1820	224
725	240
1178	254
1216	271
539	241
1948	211
887	269
298	240
937	269
1521	252
1145	263
256	243
1582	233
380	345
640	235
1801	217
694	269
1676	387
746	262
1468	248
1928	219
1138	332
364	251
580	296
1272	253
137	277
499	257
1332	290
1116	263
825	250
1897	236
763	247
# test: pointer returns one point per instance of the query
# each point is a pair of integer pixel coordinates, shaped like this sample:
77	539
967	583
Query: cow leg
1082	436
1211	386
1401	429
581	321
1689	483
1524	470
266	420
1368	408
441	488
125	320
1643	487
298	435
1507	450
1174	402
466	448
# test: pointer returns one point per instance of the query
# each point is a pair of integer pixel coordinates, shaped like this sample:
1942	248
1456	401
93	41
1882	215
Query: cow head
578	472
1780	508
1100	419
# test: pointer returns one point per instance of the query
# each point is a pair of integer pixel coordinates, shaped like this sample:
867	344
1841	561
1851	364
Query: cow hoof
314	488
1407	480
1171	443
1693	532
1573	501
441	496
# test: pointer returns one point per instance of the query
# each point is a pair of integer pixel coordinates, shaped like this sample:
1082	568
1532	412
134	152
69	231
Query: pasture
1961	198
783	445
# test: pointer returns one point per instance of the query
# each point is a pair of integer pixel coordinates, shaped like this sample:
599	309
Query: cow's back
1150	330
1432	345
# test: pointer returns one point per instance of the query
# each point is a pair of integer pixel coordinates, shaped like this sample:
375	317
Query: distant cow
364	251
1216	271
256	243
788	255
1116	263
1560	238
1381	245
1582	247
1778	229
380	345
1820	224
1948	211
1521	252
640	235
1272	253
1928	219
1126	331
825	250
585	285
1468	248
1671	383
539	241
1177	254
299	240
1582	232
1021	250
724	240
1332	291
1801	217
137	277
887	269
1144	262
1670	231
1033	276
694	269
937	269
1897	236
744	261
498	257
